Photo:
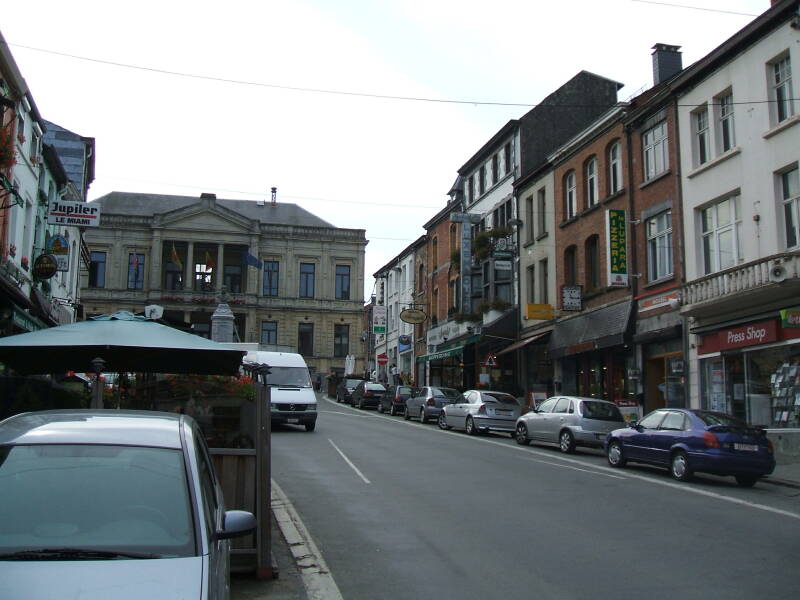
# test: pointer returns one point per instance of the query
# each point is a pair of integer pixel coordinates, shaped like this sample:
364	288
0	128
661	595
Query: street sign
378	319
383	359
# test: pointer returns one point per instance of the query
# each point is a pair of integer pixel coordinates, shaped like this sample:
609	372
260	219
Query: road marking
349	462
314	573
547	462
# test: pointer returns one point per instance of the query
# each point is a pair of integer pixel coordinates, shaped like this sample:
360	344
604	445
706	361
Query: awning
16	295
593	330
456	350
523	343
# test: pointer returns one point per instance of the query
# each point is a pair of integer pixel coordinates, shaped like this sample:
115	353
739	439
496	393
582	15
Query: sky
360	111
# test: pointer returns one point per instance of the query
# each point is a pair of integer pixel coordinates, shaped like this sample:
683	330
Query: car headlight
312	407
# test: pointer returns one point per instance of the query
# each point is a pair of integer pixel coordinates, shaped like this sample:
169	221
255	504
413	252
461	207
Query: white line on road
316	576
349	462
547	462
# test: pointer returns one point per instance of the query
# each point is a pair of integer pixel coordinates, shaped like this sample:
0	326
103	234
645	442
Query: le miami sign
61	212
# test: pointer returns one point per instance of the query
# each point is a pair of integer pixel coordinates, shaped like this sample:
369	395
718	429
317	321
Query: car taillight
398	398
482	409
430	402
367	394
710	440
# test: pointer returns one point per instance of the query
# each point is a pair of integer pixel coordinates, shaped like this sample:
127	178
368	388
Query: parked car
122	504
394	399
479	411
569	421
427	403
344	392
367	394
688	441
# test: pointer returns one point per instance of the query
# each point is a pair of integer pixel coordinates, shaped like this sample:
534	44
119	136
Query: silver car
479	411
102	504
428	402
569	421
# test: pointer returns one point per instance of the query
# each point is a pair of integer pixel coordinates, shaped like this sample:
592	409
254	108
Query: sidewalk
785	474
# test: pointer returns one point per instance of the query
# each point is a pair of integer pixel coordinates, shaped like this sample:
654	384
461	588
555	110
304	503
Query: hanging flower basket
8	151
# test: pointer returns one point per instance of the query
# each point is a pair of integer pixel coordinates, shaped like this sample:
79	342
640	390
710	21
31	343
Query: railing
741	278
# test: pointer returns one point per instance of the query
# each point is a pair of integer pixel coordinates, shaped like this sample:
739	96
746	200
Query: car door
536	424
458	410
413	403
669	431
551	424
639	444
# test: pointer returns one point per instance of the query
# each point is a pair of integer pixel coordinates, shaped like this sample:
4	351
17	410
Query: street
403	510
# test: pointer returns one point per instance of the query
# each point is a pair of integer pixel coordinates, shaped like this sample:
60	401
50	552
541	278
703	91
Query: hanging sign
790	317
413	316
616	234
379	318
61	212
58	247
45	266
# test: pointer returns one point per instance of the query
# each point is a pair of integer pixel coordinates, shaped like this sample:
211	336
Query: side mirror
237	523
633	424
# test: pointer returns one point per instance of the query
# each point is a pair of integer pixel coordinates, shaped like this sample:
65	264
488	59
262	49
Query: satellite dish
153	311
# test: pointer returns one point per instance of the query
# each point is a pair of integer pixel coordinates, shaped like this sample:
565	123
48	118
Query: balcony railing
769	271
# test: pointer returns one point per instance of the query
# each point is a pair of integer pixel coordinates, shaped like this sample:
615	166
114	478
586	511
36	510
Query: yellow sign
539	311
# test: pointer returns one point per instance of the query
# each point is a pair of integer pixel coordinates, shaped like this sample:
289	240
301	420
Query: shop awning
523	343
597	329
454	351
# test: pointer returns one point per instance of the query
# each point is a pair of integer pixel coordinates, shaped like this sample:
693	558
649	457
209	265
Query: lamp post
98	364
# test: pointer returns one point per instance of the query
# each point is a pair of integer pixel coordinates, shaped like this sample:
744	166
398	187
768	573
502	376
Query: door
459	411
669	432
536	424
639	443
554	420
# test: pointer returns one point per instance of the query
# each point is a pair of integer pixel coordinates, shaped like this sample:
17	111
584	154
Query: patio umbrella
126	342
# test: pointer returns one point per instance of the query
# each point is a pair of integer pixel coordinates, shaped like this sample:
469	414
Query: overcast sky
199	96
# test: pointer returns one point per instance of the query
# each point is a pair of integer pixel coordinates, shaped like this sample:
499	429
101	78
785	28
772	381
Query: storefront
752	371
444	368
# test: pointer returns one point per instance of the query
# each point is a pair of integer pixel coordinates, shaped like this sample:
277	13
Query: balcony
765	282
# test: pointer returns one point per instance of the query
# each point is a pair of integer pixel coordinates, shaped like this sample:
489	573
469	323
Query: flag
175	258
209	261
249	259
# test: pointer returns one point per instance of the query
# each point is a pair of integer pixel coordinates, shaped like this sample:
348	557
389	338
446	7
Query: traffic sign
383	359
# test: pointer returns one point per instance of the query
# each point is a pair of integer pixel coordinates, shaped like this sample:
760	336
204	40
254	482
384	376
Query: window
701	136
305	339
435	254
614	168
782	96
135	271
204	267
790	194
541	218
592	263
232	278
341	340
482	180
173	265
270	286
269	332
726	134
97	270
544	297
507	157
529	217
471	188
570	266
591	182
721	235
342	282
307	271
531	282
656	159
495	167
569	195
35	142
659	246
421	278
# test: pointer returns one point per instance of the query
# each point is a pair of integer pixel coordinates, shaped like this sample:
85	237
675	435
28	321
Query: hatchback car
367	394
394	399
427	403
344	391
569	421
112	503
688	441
479	411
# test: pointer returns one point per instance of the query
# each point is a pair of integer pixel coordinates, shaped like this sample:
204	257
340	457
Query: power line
717	10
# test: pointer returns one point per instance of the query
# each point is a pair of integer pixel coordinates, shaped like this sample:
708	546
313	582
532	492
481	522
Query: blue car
688	441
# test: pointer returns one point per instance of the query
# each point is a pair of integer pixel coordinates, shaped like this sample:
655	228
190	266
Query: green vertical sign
616	234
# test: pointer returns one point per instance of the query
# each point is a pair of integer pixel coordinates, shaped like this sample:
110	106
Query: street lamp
98	364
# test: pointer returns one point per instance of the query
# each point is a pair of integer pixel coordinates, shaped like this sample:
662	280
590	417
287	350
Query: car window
289	376
351	383
714	418
375	387
673	421
571	406
446	392
207	486
547	405
499	397
604	411
405	390
561	405
652	420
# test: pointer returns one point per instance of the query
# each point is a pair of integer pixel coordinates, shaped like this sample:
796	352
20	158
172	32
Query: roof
142	204
135	428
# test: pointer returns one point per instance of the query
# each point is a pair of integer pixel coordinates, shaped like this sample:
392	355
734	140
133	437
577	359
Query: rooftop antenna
274	196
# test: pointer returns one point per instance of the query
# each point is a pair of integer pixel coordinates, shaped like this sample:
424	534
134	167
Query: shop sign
413	316
539	311
61	212
748	335
616	234
58	247
45	266
404	343
790	317
502	265
571	297
659	301
379	318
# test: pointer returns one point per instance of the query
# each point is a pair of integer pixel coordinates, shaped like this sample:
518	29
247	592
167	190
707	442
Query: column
188	275
218	277
155	279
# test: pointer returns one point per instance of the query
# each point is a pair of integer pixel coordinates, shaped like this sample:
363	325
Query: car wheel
311	426
679	466
406	415
360	404
615	455
338	399
392	410
521	435
566	442
380	407
470	427
423	418
442	422
746	480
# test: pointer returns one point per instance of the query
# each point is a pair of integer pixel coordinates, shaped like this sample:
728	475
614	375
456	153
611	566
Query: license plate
292	420
748	447
502	412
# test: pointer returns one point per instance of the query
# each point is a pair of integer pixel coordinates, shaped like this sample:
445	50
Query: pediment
204	216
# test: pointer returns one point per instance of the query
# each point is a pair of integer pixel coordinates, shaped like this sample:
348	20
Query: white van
292	396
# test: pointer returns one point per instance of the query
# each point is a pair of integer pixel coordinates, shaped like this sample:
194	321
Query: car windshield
351	383
498	397
122	499
404	390
289	376
446	392
601	410
715	418
375	387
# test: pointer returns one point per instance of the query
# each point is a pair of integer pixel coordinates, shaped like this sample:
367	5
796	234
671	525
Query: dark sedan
694	441
367	394
344	391
394	399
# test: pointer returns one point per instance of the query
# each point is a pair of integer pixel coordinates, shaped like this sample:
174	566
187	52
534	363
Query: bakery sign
748	335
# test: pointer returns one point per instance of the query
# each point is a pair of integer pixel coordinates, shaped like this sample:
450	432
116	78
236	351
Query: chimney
274	196
208	195
666	62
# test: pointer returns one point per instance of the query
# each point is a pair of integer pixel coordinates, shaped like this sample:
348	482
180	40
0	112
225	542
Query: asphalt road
401	510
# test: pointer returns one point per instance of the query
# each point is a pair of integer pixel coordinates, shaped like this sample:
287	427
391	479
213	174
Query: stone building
294	281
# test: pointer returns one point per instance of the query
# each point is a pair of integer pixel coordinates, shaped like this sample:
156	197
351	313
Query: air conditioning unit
777	273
